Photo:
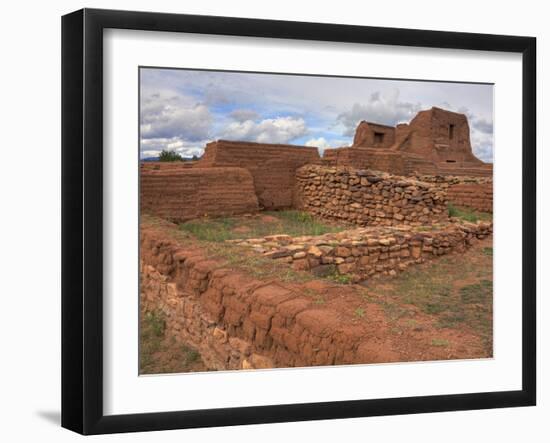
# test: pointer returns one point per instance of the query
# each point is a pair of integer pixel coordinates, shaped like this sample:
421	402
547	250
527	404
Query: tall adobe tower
435	134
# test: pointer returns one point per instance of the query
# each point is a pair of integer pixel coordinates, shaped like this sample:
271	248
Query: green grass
477	293
455	290
440	342
253	264
151	333
488	251
159	354
290	222
468	215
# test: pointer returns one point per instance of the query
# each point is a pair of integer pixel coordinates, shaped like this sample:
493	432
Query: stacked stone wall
368	252
366	197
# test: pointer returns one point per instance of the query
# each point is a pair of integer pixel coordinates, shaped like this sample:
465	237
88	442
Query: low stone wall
365	197
471	192
368	252
180	194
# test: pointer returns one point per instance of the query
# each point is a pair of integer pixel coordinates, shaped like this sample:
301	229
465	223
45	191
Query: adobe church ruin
435	142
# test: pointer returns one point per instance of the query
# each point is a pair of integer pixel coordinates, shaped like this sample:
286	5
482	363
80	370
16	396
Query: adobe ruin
436	142
391	188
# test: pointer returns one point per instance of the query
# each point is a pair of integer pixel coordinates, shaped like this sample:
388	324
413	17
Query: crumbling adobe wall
401	163
183	194
365	197
366	135
235	321
472	192
366	158
272	166
368	252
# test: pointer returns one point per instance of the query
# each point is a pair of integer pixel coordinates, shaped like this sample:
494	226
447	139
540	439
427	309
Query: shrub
169	156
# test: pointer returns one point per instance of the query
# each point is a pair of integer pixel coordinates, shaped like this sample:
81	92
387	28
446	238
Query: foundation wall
364	253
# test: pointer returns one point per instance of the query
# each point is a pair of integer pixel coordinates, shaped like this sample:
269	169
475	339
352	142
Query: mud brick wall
157	166
365	197
472	195
272	166
182	194
235	321
471	192
367	158
368	252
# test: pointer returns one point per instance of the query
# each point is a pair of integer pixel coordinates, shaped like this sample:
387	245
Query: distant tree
195	158
169	156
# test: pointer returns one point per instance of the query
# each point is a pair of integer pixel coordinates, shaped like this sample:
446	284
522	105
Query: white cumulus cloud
382	107
272	130
169	114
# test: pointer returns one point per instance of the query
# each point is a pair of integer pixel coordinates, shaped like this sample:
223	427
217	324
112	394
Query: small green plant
169	156
488	251
440	342
343	279
190	355
359	312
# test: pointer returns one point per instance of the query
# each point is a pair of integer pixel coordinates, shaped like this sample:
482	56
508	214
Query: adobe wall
368	252
272	166
180	194
367	158
365	135
366	197
237	322
471	192
441	136
400	163
164	166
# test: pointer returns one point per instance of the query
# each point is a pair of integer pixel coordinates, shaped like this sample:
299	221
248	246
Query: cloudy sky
182	110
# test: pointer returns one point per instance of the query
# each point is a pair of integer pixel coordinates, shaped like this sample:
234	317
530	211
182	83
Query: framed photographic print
269	221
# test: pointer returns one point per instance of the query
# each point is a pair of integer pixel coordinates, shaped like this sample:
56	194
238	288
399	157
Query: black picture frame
82	215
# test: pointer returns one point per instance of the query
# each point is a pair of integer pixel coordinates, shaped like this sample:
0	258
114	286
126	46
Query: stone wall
180	194
365	197
272	166
368	252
